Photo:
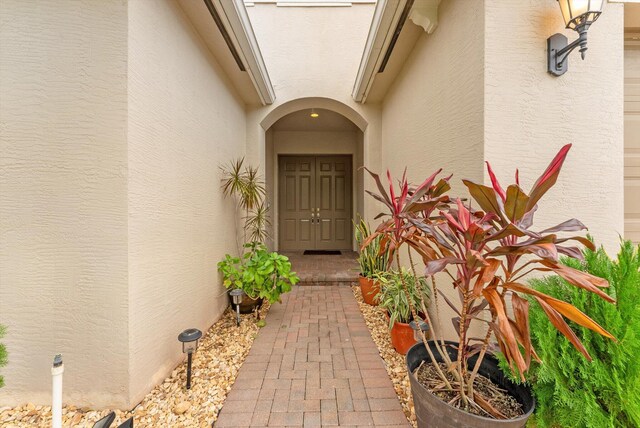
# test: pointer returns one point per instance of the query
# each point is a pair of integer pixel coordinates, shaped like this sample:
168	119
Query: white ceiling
302	121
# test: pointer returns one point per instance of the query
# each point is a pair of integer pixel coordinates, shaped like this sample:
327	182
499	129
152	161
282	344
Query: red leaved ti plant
487	252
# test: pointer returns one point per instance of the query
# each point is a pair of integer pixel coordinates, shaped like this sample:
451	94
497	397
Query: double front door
314	207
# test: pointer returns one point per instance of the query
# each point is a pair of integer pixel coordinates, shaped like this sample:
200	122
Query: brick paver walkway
314	364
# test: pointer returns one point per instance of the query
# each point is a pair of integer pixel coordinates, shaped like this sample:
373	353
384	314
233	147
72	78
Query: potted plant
393	299
260	274
371	261
486	253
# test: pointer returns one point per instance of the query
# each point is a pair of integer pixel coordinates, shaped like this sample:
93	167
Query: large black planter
434	413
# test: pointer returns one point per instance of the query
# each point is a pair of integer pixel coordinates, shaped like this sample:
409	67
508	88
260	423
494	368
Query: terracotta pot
248	304
432	412
369	289
402	337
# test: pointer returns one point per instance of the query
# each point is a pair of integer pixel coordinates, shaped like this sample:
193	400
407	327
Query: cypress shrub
570	390
3	354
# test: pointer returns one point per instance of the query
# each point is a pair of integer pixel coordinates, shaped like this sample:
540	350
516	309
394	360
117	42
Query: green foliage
243	182
571	391
393	298
370	259
3	353
259	273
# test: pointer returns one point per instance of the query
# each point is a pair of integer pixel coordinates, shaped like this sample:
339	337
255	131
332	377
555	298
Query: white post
56	397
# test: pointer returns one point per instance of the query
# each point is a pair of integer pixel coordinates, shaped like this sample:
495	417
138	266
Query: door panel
334	201
315	202
296	194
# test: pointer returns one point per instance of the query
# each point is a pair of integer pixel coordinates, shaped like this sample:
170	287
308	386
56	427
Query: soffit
395	29
253	85
327	121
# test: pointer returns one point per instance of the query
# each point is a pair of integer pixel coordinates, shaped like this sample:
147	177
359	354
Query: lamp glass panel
572	9
189	347
566	10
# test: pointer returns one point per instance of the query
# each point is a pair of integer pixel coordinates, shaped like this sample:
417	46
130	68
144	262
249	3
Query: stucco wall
63	203
184	122
530	114
313	56
432	116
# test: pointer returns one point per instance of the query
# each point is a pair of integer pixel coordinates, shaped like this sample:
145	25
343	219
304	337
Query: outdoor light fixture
416	330
236	296
313	113
578	15
189	339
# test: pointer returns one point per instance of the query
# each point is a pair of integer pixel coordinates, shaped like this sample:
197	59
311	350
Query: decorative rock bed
378	324
215	367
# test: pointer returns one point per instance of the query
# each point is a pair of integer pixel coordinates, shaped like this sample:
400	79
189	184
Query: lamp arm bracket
558	50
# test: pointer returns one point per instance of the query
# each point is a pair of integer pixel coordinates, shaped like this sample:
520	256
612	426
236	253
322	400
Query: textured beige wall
184	122
530	114
314	54
433	114
477	88
63	203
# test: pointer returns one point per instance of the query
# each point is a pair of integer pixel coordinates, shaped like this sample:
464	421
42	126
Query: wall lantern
423	326
578	15
236	297
189	339
314	114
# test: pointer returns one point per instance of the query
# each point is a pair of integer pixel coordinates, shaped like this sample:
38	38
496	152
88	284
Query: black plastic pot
248	305
434	413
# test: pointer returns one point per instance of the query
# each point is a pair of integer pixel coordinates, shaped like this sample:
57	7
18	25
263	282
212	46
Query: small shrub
571	391
393	295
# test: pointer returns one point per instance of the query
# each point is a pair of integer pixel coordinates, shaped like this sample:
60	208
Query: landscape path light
189	339
578	16
236	296
417	327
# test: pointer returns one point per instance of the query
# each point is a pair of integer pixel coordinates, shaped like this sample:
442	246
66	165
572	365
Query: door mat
321	253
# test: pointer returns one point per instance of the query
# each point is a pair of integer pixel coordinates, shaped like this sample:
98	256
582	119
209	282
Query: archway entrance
313	183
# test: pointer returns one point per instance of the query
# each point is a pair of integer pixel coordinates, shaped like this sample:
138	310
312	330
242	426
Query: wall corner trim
235	19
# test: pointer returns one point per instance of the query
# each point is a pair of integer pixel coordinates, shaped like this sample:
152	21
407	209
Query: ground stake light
578	15
189	339
236	296
417	328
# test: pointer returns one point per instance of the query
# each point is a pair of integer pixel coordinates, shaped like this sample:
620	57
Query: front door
314	202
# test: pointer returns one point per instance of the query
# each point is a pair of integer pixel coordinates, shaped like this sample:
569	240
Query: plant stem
424	338
440	346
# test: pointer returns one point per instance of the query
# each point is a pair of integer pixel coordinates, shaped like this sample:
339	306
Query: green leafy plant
3	353
571	391
371	258
259	273
393	299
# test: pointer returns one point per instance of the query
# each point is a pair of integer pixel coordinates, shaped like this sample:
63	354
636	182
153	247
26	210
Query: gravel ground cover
378	324
215	367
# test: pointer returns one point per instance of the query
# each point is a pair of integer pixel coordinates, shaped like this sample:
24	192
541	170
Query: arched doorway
313	176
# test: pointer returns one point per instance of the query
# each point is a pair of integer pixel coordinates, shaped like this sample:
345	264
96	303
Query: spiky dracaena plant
571	391
370	259
244	183
486	254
